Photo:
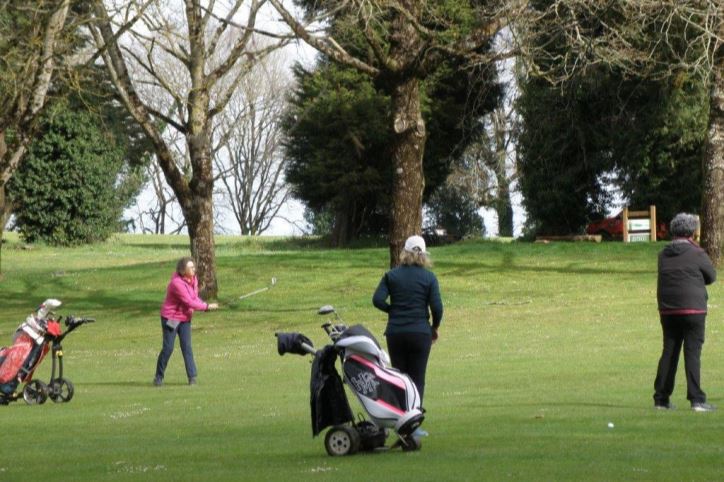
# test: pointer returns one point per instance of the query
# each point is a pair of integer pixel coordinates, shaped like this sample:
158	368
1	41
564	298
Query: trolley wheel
341	440
60	390
35	393
411	444
371	436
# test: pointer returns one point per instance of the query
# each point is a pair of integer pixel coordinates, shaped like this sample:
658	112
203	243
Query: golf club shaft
256	292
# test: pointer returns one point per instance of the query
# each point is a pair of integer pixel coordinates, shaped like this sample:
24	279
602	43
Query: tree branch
325	45
113	58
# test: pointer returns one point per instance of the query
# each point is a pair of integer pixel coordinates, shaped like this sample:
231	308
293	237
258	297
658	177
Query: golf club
260	290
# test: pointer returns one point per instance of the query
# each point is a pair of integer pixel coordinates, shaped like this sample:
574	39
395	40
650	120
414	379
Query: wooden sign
639	225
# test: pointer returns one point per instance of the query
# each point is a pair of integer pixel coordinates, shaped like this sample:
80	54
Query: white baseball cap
415	243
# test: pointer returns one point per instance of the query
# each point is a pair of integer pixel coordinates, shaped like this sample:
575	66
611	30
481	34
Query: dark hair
683	225
182	263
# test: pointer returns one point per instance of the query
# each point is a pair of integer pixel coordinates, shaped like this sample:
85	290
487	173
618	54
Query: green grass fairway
541	347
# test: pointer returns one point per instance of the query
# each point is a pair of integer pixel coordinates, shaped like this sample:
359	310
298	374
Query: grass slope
541	347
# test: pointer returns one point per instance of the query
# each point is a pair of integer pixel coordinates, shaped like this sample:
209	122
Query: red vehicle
612	228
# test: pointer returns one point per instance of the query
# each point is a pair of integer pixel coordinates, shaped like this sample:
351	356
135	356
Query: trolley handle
72	323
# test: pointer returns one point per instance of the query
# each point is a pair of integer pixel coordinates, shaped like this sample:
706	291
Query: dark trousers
409	353
689	331
169	337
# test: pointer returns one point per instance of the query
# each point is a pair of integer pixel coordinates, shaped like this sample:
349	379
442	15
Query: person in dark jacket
414	295
684	271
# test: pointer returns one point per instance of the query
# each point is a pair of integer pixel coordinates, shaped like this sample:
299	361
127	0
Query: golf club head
325	310
273	281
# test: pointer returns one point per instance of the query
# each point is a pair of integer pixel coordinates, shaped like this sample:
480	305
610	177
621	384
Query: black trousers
689	331
409	353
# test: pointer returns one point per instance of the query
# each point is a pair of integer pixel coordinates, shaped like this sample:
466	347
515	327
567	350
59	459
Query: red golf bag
30	345
38	335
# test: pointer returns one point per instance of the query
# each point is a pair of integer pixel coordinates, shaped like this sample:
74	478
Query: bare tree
249	158
501	139
181	54
406	40
26	80
486	169
160	211
155	215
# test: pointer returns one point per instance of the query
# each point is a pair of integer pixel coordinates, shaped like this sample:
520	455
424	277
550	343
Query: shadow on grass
508	264
142	384
249	243
129	384
544	404
268	309
137	290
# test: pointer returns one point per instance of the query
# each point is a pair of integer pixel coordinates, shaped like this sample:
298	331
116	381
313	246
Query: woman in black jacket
414	295
684	271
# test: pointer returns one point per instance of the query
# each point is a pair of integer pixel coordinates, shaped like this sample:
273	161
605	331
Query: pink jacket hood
182	299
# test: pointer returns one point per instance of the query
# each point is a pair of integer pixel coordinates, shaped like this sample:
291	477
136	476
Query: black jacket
411	289
684	271
328	401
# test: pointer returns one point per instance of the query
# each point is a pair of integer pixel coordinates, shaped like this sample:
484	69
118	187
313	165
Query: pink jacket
182	299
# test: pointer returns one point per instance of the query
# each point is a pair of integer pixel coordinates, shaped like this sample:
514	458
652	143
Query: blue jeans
169	337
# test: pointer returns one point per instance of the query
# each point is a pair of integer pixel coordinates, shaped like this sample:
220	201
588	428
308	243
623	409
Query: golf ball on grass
610	425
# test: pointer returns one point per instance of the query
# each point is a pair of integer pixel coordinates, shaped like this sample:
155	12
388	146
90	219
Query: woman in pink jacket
182	299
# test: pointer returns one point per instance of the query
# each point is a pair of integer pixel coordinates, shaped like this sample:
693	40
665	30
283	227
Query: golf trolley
40	333
389	397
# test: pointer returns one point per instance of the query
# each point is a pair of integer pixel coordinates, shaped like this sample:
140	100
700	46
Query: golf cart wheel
60	390
411	444
35	393
341	440
371	436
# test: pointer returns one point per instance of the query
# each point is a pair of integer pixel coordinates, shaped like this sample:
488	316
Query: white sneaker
419	433
702	407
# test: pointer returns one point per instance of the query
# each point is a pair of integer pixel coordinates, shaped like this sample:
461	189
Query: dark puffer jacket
684	271
412	291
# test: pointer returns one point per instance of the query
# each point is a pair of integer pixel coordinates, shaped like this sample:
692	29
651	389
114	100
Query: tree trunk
712	212
407	151
503	206
340	235
200	211
2	227
6	209
200	220
3	151
29	109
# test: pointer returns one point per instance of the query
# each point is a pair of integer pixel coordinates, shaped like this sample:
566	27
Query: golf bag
389	397
40	333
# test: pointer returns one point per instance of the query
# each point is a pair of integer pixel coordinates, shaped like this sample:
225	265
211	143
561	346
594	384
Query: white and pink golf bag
389	396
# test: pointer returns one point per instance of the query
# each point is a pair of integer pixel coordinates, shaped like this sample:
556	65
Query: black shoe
158	382
702	407
664	406
192	381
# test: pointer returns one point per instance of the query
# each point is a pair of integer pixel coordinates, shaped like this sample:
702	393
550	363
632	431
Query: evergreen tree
455	211
659	153
405	48
602	132
338	140
66	191
560	162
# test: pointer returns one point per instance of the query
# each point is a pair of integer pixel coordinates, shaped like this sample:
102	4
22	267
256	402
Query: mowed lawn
541	347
